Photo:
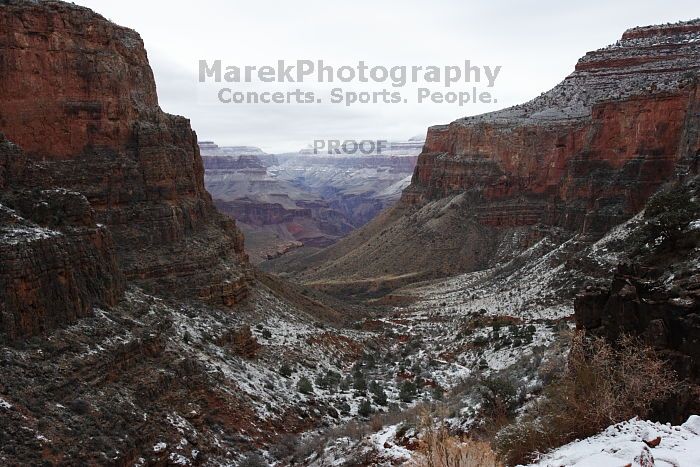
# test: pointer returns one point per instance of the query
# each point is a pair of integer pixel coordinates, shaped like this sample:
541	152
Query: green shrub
285	370
359	383
365	408
304	385
499	396
407	392
378	394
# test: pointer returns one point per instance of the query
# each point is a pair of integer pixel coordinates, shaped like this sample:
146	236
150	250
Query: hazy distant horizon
534	55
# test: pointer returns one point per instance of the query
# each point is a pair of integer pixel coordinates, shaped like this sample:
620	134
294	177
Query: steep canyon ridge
136	328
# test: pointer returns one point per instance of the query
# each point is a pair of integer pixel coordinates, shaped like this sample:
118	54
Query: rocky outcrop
282	249
78	97
56	262
72	81
137	377
654	295
583	175
251	163
590	151
666	316
577	160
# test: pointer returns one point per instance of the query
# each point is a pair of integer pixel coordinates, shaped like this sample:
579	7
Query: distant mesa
210	148
207	145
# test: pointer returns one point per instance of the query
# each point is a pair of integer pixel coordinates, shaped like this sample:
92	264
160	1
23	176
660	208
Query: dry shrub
441	449
602	385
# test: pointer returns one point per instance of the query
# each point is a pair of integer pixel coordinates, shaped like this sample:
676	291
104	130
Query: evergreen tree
438	393
332	379
304	385
285	370
378	393
321	381
359	383
365	408
407	392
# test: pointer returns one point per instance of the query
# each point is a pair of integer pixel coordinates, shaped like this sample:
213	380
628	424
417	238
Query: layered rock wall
573	162
588	153
56	263
79	98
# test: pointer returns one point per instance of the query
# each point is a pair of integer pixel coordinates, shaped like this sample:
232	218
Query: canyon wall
576	160
654	294
56	262
608	136
80	104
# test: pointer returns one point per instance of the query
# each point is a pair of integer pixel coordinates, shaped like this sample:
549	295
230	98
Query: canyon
302	200
576	160
137	327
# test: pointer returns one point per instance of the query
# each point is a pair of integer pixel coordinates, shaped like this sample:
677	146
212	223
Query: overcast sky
536	43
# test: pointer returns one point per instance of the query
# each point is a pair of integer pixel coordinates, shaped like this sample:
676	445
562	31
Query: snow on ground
383	443
158	447
604	251
22	234
525	292
377	449
630	444
289	334
516	304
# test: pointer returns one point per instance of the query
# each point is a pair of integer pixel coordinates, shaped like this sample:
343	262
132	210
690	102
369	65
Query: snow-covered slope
635	443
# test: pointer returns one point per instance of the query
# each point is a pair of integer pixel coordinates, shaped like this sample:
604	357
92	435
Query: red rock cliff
72	81
79	98
579	159
607	137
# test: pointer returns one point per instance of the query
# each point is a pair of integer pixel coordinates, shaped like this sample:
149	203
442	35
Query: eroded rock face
72	81
654	294
78	97
577	160
662	311
636	303
586	154
56	262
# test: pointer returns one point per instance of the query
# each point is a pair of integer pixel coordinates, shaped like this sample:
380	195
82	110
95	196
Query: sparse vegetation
667	215
602	385
408	391
304	385
378	394
365	408
439	448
